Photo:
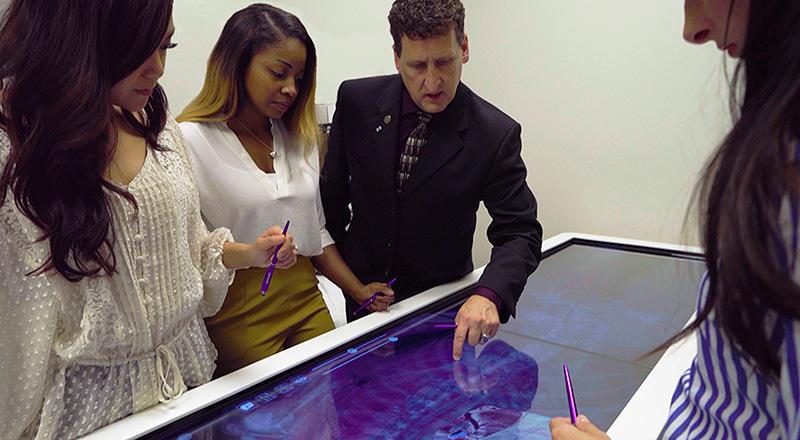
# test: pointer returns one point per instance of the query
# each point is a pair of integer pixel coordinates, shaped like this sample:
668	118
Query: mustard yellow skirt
250	327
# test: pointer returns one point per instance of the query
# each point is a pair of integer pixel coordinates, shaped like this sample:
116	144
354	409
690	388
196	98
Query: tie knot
424	117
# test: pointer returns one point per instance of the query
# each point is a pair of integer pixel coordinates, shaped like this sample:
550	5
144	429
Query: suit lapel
384	134
444	142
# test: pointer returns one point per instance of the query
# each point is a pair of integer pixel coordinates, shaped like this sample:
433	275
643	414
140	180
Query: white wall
351	36
618	113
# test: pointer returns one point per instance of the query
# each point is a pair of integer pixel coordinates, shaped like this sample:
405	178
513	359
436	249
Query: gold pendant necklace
272	153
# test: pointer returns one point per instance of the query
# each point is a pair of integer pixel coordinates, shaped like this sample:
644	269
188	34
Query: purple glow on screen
403	385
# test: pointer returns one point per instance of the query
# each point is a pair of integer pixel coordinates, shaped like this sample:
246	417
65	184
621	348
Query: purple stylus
271	267
573	409
372	298
445	325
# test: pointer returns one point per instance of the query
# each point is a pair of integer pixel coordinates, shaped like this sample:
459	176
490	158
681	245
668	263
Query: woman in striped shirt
744	381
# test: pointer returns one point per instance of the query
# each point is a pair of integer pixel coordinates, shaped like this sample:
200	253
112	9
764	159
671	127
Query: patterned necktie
412	149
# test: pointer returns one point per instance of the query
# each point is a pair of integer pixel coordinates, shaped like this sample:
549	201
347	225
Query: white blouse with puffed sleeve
77	356
237	194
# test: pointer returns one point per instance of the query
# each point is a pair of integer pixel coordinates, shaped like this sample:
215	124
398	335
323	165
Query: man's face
431	69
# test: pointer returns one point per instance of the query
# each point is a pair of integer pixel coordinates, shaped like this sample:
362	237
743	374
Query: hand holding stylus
284	256
376	298
575	427
262	249
561	428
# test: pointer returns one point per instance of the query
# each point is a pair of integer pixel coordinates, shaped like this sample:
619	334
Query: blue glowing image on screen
403	383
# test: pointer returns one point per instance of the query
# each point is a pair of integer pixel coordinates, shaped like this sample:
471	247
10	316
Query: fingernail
583	418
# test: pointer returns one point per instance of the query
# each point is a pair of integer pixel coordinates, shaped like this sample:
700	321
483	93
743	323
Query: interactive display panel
597	307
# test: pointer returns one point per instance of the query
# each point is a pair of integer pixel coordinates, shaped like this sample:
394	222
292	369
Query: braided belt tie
171	384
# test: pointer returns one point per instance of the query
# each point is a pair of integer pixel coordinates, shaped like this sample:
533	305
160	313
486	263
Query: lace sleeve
216	277
207	246
28	319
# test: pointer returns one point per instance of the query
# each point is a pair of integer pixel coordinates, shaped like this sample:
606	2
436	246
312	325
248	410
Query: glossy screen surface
597	309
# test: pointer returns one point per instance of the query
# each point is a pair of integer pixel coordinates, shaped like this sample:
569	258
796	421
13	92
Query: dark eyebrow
289	65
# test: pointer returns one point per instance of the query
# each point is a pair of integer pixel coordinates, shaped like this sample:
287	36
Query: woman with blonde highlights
254	140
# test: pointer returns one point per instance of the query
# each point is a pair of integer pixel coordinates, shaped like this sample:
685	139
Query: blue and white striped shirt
721	396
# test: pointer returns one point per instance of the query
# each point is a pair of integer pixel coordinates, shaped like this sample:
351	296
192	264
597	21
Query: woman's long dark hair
744	184
58	62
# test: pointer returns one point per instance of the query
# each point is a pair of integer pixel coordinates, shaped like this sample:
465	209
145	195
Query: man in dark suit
414	154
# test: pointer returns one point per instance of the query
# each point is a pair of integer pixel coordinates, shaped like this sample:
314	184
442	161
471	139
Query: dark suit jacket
424	236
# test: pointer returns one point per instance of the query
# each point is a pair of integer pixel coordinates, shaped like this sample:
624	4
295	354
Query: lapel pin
378	129
387	119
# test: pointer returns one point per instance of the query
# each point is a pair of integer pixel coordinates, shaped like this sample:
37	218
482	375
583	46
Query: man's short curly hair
420	19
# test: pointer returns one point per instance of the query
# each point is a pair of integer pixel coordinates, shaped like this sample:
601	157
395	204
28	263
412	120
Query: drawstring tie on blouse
171	384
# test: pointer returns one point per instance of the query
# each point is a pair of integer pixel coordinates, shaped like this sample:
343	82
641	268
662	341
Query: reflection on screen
597	309
401	384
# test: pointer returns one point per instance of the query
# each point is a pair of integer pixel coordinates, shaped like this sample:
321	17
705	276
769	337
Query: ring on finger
484	338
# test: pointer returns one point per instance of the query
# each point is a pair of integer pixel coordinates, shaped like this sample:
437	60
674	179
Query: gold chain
271	151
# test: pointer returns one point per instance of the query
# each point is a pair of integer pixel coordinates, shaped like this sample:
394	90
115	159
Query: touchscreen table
597	307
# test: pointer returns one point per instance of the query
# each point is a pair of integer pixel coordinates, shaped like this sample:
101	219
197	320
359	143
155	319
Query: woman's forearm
331	264
236	255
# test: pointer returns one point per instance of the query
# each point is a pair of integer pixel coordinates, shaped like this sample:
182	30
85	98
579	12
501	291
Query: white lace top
77	356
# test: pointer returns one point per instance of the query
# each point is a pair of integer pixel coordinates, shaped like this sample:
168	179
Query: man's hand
477	316
562	429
